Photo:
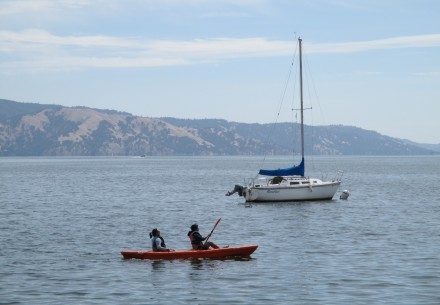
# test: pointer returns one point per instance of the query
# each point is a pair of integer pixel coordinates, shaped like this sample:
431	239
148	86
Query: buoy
344	195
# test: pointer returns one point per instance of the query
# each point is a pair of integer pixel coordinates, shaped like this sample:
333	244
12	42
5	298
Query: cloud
44	38
23	7
35	49
16	7
420	41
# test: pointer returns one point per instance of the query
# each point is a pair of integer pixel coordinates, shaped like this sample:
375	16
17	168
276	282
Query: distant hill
9	110
28	129
431	147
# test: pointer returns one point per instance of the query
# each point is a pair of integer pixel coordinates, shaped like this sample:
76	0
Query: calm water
64	222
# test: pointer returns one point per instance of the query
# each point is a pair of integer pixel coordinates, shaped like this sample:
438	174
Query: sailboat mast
301	96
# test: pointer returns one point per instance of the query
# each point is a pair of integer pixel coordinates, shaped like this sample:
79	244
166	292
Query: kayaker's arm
199	237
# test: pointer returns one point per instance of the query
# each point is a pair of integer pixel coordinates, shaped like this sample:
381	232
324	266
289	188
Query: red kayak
241	251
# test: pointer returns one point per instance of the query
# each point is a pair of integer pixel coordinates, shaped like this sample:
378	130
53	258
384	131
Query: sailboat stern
250	194
237	189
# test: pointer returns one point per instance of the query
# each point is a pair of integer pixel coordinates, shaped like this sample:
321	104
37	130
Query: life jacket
195	242
153	242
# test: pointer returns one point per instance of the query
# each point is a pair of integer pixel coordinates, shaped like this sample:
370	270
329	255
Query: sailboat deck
286	181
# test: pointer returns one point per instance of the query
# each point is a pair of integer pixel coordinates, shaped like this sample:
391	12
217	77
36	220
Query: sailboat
288	184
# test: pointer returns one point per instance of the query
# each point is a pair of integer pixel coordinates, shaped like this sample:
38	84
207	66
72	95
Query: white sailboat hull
273	193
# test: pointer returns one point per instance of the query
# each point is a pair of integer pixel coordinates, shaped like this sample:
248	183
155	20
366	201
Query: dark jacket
196	239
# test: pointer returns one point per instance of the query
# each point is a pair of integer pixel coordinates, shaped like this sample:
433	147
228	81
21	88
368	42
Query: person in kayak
157	242
197	239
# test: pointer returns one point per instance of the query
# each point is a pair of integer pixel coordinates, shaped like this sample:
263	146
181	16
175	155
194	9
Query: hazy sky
373	64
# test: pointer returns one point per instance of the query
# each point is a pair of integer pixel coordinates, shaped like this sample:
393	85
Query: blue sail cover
292	171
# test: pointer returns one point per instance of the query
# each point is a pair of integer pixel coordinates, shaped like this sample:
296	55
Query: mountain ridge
30	129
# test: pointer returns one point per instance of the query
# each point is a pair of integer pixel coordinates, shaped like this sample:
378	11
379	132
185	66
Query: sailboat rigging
288	184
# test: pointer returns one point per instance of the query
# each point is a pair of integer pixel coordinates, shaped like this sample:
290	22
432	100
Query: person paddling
157	242
197	239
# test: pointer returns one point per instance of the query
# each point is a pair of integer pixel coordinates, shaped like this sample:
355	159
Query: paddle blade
218	221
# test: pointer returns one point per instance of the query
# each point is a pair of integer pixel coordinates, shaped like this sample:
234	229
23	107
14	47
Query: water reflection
202	264
198	263
157	265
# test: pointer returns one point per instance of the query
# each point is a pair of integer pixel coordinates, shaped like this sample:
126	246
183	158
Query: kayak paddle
212	230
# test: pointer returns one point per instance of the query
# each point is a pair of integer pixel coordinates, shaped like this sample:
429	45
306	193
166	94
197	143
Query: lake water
64	222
